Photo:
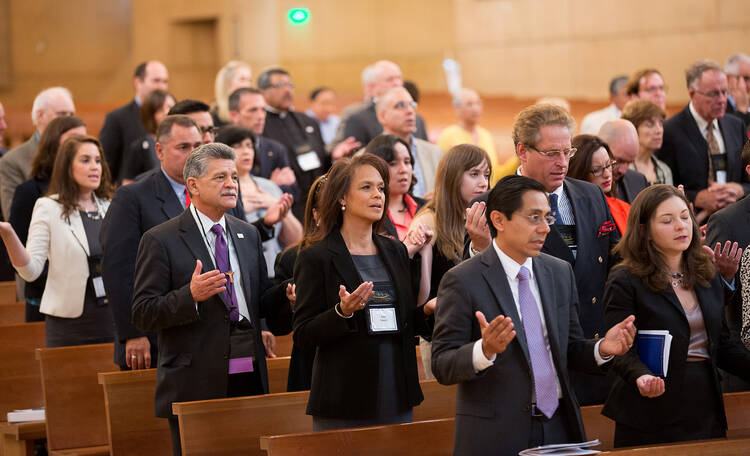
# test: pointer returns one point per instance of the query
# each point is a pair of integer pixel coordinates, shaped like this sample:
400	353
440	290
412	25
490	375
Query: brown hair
579	166
309	225
62	182
151	105
640	255
49	143
640	110
529	122
447	204
338	182
634	85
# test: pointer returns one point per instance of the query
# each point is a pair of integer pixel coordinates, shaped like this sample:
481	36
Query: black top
140	156
21	210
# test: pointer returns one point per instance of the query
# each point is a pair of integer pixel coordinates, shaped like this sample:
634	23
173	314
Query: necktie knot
217	230
523	273
553	205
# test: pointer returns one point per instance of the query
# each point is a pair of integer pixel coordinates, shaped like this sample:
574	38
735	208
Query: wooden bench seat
12	312
75	415
18	437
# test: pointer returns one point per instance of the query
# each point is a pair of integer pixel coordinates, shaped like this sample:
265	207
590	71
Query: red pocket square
606	228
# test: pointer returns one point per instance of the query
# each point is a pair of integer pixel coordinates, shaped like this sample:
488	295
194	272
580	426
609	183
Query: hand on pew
138	353
269	341
650	386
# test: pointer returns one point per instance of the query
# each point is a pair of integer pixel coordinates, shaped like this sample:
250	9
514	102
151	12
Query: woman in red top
593	162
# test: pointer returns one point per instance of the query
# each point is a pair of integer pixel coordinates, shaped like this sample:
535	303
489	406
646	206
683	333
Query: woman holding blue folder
668	280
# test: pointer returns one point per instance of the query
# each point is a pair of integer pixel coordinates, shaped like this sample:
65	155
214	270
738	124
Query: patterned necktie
713	149
545	386
222	262
554	209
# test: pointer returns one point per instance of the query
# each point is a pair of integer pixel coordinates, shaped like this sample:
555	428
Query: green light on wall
299	15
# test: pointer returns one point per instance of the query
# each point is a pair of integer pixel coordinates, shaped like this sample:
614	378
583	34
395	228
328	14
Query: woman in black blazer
355	303
667	280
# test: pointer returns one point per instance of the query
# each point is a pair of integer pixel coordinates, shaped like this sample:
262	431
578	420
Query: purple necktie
545	386
222	262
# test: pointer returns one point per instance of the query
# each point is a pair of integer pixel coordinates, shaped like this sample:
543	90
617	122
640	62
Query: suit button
527	408
593	300
596	336
600	259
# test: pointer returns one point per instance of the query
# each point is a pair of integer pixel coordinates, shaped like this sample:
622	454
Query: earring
343	207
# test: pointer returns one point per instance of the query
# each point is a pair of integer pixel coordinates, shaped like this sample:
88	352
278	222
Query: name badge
309	161
382	320
99	287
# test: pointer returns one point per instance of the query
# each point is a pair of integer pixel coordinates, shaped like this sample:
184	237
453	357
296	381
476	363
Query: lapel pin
240	235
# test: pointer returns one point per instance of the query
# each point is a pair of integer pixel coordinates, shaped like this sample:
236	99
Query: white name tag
721	177
383	319
99	287
308	161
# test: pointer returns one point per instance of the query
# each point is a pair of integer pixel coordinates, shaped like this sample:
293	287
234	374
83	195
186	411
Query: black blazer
139	157
345	375
364	125
627	295
744	117
194	339
630	185
686	152
121	127
270	155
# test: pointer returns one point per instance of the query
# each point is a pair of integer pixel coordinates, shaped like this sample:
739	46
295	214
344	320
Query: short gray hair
733	63
694	72
43	98
617	83
196	164
368	75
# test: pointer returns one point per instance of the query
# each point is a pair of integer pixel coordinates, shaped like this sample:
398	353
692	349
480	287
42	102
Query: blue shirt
177	188
328	127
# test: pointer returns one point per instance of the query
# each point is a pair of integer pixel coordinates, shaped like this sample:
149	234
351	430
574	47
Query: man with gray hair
622	139
702	146
618	97
15	166
737	69
201	283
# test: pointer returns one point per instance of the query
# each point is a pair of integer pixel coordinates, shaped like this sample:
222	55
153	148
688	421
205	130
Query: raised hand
291	294
495	335
203	286
283	176
650	386
727	260
476	226
619	338
345	147
357	299
278	210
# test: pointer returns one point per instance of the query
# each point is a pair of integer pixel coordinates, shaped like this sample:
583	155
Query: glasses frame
601	170
553	154
536	219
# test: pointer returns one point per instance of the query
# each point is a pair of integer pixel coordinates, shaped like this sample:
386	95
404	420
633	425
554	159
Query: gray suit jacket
493	407
428	156
15	168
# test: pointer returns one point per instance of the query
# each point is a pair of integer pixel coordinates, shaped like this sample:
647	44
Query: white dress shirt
593	121
209	239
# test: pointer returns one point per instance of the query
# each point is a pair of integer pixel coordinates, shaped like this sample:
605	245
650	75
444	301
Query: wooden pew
228	426
73	400
284	345
8	292
20	384
12	312
278	373
132	427
714	447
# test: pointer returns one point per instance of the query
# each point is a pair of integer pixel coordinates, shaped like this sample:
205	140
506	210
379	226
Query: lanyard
230	272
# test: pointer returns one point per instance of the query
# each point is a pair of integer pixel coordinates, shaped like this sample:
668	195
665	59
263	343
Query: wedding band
133	356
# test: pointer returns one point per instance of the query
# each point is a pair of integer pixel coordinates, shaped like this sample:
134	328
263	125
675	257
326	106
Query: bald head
468	107
622	138
382	76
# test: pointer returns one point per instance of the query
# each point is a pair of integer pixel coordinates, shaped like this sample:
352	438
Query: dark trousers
247	384
547	431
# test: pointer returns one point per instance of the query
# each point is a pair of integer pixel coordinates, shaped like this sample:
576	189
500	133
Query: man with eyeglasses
622	139
649	85
737	69
397	114
298	132
702	146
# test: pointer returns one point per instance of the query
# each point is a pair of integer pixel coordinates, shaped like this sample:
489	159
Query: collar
558	191
176	186
273	110
203	220
137	101
510	266
702	123
411	205
615	110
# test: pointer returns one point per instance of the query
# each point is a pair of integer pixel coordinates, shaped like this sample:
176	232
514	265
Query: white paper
563	449
20	416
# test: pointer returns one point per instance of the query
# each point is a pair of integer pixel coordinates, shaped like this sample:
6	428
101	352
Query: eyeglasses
281	85
403	104
599	170
553	154
212	130
714	93
537	219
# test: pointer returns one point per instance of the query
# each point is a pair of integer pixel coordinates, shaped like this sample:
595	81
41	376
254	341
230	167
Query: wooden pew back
8	293
12	312
283	346
20	381
132	427
278	373
73	399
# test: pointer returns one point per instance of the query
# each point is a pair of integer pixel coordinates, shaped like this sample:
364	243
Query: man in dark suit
298	132
123	125
507	331
200	112
737	69
702	146
622	139
200	281
136	208
583	234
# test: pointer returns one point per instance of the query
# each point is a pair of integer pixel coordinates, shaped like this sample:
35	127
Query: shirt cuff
478	359
600	360
730	285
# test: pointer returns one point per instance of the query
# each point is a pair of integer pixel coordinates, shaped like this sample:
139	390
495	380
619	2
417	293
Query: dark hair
634	85
64	185
579	166
151	105
49	144
188	107
165	127
236	96
413	90
318	90
384	145
234	134
506	197
140	71
309	225
338	182
745	156
264	80
639	255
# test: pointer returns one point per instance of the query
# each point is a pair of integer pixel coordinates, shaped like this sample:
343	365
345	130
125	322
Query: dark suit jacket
627	295
686	152
744	117
21	210
194	339
630	186
364	126
135	209
121	127
139	157
344	382
731	224
270	155
500	396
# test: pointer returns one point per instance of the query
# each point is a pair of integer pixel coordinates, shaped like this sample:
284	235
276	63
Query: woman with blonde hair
236	74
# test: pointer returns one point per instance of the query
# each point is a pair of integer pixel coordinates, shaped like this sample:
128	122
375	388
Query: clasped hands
418	238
